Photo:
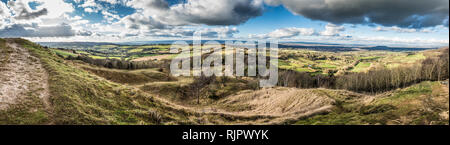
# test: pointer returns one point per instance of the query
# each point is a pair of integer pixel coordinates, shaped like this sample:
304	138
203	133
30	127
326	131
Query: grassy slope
134	77
78	97
63	53
362	66
3	52
419	104
28	110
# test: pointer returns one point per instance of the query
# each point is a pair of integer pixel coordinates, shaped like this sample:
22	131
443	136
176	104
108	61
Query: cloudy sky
387	22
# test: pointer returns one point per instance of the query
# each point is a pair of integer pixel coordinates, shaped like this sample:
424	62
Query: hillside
75	96
39	87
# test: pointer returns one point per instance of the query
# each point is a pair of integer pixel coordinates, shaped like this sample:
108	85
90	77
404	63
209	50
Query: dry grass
136	77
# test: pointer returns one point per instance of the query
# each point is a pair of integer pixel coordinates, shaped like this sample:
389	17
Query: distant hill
386	48
295	45
73	45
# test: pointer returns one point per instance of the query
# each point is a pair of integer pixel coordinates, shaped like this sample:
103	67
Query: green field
362	66
64	53
314	62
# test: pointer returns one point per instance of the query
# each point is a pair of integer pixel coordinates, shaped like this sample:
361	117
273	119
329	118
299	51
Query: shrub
155	116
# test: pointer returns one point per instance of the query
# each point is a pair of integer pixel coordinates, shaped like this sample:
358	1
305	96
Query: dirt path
23	75
445	96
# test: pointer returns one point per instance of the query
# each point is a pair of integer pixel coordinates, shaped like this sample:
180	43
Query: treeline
374	81
291	78
121	64
313	56
211	87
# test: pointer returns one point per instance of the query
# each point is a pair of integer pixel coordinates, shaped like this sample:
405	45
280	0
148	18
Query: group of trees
213	87
291	78
378	80
121	64
309	55
200	85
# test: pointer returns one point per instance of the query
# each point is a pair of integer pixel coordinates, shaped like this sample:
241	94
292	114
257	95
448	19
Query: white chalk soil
21	76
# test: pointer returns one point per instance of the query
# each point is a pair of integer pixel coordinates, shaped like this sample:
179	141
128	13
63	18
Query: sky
418	23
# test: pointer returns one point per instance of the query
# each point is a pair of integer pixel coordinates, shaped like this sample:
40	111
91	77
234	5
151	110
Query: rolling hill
39	87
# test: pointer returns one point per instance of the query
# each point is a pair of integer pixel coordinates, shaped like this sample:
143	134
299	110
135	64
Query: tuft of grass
29	110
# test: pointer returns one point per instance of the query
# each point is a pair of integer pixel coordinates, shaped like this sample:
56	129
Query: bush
155	117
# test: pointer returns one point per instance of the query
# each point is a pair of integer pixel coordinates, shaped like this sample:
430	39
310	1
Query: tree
200	85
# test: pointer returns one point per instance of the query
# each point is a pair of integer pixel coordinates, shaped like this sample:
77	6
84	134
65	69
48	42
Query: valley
132	84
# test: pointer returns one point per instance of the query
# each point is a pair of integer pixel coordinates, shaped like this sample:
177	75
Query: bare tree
200	84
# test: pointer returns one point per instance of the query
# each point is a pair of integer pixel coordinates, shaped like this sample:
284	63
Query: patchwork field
356	61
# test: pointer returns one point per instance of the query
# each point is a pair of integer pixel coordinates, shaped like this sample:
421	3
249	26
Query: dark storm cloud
236	13
138	21
402	13
159	4
18	30
25	15
22	13
221	32
155	13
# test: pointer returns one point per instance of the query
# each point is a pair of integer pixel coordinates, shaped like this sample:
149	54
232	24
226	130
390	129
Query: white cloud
88	3
4	14
109	16
47	9
62	30
286	33
47	12
332	30
89	10
289	33
49	19
22	11
406	30
91	6
56	8
396	29
292	32
4	11
413	42
110	1
140	21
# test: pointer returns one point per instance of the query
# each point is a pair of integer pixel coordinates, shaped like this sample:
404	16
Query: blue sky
276	18
396	23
